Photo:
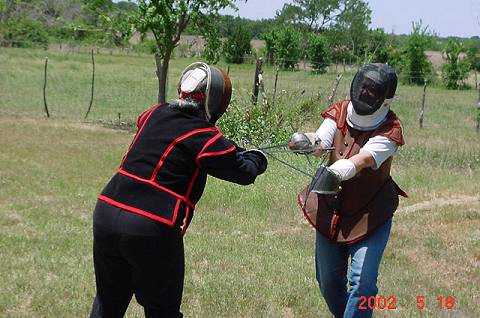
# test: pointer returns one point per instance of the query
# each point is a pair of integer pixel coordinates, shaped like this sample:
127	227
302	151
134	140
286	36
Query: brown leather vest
367	200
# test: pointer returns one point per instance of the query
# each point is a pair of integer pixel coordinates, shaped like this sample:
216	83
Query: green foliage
118	27
353	23
455	70
147	46
340	46
318	52
237	46
314	15
167	20
395	56
415	66
229	24
283	46
473	57
24	33
378	46
253	125
208	29
270	39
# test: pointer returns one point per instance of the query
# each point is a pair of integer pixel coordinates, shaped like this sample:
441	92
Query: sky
444	17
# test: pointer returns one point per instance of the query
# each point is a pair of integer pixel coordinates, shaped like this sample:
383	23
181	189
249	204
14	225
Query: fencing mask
208	86
370	87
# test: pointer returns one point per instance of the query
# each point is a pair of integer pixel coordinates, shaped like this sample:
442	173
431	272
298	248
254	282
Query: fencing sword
271	150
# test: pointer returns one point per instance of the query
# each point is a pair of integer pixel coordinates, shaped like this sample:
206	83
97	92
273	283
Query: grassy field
249	251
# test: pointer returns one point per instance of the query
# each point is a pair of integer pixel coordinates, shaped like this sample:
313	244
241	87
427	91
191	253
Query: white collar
368	122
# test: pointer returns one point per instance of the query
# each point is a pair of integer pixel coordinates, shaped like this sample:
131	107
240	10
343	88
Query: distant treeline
317	32
26	23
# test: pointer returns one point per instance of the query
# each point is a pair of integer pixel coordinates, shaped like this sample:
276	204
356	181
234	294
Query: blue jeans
332	262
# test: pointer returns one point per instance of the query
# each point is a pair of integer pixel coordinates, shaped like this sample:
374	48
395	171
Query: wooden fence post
422	113
334	89
478	113
258	71
275	88
476	82
45	88
93	85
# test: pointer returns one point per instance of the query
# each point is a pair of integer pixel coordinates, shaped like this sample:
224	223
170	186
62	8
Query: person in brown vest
143	211
353	200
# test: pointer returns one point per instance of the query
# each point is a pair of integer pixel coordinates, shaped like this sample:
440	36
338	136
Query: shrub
25	33
261	124
455	70
287	47
237	46
415	66
318	52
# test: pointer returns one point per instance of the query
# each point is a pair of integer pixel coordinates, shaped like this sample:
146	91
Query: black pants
134	255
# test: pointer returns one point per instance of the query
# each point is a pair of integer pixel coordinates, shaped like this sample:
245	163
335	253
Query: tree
316	15
283	46
415	66
320	15
237	46
473	57
318	52
167	20
270	39
118	26
290	14
379	45
455	70
353	23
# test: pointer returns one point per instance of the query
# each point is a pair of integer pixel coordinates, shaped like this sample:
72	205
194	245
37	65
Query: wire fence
123	85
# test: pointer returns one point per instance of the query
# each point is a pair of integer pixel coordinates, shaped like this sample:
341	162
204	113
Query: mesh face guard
207	85
369	89
392	80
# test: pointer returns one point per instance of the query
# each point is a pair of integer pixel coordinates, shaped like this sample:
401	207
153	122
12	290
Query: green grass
249	251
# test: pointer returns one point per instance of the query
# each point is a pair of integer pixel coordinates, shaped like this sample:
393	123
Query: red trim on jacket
396	133
197	170
217	153
333	225
137	211
150	112
172	145
156	185
141	119
338	113
201	154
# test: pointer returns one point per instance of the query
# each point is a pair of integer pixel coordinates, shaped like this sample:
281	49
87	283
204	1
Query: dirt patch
440	202
42	121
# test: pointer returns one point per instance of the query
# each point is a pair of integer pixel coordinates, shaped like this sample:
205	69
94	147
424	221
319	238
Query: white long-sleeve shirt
380	147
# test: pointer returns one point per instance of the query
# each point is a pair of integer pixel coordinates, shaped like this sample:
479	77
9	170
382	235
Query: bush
318	52
25	33
473	57
455	70
237	46
148	46
261	124
283	46
378	46
415	66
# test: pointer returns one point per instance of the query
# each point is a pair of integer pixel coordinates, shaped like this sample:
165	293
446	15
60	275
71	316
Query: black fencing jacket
164	171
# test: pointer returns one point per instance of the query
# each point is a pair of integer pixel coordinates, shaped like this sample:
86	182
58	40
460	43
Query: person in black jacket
146	207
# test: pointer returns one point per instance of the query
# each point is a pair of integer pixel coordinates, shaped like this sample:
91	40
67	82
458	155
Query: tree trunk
162	72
